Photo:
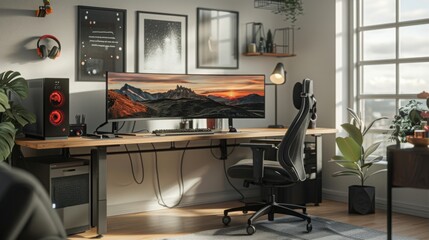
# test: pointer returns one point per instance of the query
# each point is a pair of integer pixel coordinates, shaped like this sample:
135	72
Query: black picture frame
162	43
217	38
101	42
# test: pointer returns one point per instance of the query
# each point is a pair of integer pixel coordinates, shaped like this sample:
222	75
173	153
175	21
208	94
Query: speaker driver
56	117
56	98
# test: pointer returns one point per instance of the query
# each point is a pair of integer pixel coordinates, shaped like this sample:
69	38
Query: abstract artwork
101	42
217	38
162	43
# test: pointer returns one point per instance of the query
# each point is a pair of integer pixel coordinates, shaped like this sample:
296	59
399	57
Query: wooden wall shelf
270	54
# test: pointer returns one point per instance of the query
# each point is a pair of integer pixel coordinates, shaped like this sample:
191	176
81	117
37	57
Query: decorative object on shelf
269	43
291	9
261	45
217	38
101	42
278	77
13	117
162	43
407	120
283	38
357	161
280	44
45	9
254	32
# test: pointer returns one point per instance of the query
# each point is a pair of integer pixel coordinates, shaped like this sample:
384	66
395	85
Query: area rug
291	228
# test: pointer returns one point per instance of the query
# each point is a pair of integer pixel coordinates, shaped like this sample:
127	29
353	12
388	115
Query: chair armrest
258	150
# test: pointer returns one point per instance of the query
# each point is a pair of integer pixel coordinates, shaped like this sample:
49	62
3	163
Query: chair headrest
301	90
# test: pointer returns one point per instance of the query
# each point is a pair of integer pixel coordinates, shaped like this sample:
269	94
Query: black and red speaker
48	99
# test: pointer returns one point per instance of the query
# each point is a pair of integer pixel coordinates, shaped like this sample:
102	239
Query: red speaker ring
56	98
56	117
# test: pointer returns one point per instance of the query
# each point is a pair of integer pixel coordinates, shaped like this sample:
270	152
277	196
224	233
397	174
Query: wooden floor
180	221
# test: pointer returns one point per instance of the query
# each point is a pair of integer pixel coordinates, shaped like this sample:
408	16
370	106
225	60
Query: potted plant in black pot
13	117
357	161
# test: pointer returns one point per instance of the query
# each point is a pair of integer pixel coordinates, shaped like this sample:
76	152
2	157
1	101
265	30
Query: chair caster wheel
309	227
250	229
226	220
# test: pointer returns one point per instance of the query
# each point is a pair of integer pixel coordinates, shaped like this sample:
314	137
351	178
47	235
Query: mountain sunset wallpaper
145	95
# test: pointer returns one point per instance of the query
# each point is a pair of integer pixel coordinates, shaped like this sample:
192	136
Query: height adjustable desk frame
99	156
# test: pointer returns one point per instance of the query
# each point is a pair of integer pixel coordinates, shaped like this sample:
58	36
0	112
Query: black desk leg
389	194
99	203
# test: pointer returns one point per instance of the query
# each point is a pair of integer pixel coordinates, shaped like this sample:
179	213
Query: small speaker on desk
48	99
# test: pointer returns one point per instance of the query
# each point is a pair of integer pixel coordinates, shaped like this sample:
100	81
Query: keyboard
176	132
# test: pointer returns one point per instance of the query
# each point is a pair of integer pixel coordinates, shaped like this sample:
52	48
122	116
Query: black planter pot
361	199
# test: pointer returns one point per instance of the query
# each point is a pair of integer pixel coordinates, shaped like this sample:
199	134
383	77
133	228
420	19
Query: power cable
132	165
159	196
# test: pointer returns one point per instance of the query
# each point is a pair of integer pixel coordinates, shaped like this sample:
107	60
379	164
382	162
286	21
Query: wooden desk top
74	142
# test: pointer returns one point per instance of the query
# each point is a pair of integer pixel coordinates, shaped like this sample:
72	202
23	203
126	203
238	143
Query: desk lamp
278	77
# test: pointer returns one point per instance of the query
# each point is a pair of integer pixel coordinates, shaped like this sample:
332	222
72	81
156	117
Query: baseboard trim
381	203
191	200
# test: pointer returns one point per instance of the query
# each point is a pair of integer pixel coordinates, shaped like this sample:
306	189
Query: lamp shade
279	75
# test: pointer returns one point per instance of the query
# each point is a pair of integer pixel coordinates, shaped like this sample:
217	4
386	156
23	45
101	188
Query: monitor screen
132	96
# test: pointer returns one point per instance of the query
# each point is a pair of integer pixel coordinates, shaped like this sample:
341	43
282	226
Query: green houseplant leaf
349	148
7	139
12	81
13	117
353	132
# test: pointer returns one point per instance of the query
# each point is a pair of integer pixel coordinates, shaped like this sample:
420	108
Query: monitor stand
231	125
115	130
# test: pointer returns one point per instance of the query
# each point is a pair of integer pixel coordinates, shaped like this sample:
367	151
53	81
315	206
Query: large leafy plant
13	117
355	158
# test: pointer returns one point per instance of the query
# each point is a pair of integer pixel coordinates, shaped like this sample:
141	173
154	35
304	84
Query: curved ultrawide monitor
136	96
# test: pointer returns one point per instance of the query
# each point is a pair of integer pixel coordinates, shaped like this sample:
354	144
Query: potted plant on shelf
407	120
357	160
13	117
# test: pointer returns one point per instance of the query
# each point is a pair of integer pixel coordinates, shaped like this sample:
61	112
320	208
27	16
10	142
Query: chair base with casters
269	208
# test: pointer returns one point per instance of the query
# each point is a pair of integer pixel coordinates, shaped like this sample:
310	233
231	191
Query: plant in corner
357	161
13	117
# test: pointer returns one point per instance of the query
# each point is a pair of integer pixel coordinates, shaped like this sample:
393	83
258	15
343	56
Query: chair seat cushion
274	173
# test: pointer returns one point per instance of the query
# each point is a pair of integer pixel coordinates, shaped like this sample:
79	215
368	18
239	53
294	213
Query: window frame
357	63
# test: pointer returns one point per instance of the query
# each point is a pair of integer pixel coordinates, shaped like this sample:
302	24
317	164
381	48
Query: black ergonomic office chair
286	171
25	209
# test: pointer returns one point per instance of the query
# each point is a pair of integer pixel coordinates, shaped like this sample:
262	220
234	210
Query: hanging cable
132	165
159	196
224	168
218	158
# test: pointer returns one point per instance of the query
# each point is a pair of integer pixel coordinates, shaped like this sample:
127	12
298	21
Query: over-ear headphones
43	51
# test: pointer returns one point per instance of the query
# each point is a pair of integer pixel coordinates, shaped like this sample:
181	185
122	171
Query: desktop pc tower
67	182
48	99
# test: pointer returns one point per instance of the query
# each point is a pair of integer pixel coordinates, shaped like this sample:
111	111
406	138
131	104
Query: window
390	57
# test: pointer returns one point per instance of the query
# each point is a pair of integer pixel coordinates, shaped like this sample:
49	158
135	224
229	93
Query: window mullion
397	55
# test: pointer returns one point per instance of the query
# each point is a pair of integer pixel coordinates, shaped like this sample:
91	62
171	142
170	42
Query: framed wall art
161	43
101	42
217	38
